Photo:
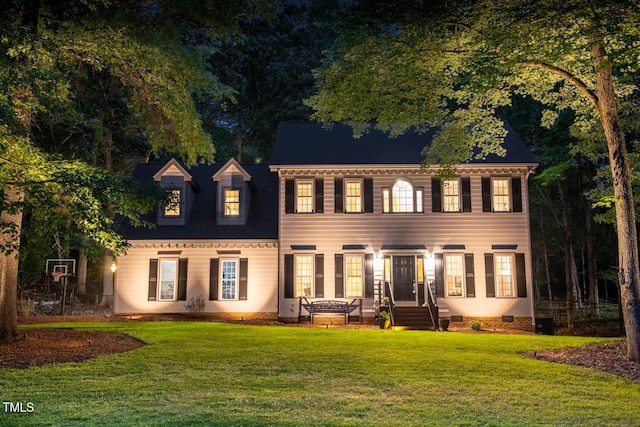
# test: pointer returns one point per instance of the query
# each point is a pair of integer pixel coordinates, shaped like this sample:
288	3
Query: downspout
530	171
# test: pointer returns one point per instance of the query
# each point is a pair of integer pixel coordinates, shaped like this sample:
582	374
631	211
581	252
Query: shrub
476	325
26	307
195	305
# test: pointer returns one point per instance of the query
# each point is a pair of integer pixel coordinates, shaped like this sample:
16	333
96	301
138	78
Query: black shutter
338	184
242	287
319	187
466	194
439	267
521	277
319	284
182	279
339	277
368	195
516	190
368	276
288	276
153	279
488	270
213	278
289	186
436	195
486	194
470	281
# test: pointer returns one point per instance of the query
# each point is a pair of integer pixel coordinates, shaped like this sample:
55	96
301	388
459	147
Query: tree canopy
453	64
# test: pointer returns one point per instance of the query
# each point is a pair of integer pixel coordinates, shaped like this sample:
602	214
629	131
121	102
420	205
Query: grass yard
208	374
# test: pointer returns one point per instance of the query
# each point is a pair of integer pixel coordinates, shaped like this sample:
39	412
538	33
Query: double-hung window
451	195
168	283
229	279
304	196
354	275
454	274
231	202
353	196
304	275
500	194
172	208
504	273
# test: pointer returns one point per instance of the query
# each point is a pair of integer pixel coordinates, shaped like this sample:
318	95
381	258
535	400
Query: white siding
476	230
132	276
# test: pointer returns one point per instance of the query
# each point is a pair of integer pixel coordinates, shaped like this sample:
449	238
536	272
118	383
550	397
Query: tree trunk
9	264
107	281
81	272
625	210
592	279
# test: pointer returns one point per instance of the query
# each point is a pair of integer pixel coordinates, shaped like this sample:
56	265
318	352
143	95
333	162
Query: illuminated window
304	275
229	279
354	275
172	208
454	273
386	202
168	279
304	196
501	194
402	197
353	196
451	195
504	275
232	202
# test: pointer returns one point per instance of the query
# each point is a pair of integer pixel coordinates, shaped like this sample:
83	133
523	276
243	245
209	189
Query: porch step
412	318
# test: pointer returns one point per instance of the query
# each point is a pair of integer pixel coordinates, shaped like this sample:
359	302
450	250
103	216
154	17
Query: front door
404	276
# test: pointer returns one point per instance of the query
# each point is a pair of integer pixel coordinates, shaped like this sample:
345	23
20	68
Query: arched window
402	196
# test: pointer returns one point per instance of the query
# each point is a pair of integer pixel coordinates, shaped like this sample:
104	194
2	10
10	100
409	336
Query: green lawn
204	373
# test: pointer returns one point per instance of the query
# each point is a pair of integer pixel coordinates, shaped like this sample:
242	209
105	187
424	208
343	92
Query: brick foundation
490	323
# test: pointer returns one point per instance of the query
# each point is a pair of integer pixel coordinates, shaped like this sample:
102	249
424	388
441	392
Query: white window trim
221	279
312	196
445	184
494	195
175	278
173	209
462	274
417	198
298	290
224	202
359	181
512	263
346	275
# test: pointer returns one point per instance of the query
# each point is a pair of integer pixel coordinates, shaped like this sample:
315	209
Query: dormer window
232	202
172	208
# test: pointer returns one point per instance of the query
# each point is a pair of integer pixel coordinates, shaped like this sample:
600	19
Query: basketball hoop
56	275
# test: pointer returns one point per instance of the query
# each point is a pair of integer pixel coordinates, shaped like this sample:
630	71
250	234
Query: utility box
545	326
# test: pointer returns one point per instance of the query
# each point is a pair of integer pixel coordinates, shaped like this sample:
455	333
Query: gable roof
232	163
316	144
172	168
262	221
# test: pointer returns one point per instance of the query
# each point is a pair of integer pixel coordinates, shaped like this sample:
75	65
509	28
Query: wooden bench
330	307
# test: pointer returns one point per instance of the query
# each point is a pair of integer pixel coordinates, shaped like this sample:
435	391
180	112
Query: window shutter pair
367	189
521	277
183	264
214	279
436	194
470	281
289	195
368	276
516	194
289	282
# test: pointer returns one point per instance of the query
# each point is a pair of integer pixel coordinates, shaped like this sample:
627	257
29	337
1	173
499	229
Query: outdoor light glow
113	267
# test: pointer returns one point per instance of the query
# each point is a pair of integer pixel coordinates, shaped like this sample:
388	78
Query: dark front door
404	275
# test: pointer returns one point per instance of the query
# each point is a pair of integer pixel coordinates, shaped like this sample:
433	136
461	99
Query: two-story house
333	217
